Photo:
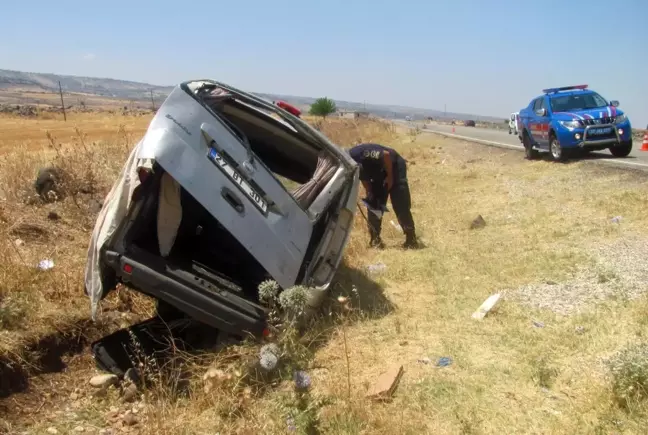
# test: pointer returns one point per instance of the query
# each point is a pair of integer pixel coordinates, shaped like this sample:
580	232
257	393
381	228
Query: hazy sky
480	57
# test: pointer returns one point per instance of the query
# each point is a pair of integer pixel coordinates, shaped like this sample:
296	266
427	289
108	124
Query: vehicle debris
386	384
486	306
104	380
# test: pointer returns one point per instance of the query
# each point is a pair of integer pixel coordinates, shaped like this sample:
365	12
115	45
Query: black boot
411	242
377	243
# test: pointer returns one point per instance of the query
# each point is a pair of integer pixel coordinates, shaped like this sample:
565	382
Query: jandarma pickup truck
573	118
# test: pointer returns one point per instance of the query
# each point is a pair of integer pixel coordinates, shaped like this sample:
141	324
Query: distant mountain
86	85
124	89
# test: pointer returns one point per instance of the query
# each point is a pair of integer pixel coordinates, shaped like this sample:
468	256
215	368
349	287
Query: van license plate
236	178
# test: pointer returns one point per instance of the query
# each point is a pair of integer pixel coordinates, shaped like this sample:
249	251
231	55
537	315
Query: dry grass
43	98
28	134
545	223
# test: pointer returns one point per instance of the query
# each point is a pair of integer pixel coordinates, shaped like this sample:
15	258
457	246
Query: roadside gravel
620	271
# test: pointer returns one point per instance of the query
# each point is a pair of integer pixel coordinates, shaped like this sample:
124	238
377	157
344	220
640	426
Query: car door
539	123
208	159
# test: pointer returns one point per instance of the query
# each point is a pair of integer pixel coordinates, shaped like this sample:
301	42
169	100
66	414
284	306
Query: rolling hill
12	81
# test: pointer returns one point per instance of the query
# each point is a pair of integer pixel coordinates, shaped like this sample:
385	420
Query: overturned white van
224	190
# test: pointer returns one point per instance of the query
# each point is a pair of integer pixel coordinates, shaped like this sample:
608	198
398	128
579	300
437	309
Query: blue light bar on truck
564	88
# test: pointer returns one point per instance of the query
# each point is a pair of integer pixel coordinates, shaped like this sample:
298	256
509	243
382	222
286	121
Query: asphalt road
500	138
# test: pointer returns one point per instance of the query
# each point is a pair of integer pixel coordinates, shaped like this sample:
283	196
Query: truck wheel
529	152
557	152
622	150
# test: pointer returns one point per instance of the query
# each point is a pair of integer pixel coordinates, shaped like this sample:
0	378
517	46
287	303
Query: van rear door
213	164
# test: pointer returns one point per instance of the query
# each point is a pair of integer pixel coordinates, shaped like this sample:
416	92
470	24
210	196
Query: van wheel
529	152
557	152
510	132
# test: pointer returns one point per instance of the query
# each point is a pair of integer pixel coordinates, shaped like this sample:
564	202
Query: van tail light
128	268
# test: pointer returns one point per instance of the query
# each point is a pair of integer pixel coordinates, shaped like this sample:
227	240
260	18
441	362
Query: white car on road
513	122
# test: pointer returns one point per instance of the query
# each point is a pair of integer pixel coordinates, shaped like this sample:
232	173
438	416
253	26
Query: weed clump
629	373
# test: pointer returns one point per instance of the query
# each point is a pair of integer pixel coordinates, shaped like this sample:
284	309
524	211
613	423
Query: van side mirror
614	103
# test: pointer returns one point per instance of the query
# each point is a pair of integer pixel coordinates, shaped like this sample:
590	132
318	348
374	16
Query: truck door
539	125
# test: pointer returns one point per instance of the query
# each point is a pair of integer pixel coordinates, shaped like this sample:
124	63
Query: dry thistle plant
290	356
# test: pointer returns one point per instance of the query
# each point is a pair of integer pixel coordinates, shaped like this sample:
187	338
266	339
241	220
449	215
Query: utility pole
62	103
152	101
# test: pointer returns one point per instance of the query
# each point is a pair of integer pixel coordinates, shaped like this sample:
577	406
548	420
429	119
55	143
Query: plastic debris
290	423
395	225
538	324
46	264
616	219
376	268
444	361
425	360
302	380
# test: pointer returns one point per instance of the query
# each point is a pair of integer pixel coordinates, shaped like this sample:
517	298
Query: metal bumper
594	142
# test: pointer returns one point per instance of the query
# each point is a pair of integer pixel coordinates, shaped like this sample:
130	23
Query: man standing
383	173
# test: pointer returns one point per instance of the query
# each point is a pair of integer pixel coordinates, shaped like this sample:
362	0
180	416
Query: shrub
629	372
323	107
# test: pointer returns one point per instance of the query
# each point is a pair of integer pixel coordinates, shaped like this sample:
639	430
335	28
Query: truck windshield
575	102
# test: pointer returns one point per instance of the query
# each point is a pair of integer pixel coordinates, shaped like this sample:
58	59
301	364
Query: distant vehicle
199	216
571	118
469	123
513	123
408	118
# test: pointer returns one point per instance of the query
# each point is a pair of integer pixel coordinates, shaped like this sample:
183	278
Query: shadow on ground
42	357
365	297
585	156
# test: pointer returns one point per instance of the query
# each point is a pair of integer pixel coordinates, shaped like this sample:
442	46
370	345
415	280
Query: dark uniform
373	174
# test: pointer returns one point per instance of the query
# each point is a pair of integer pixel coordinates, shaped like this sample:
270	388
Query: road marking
484	141
609	161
